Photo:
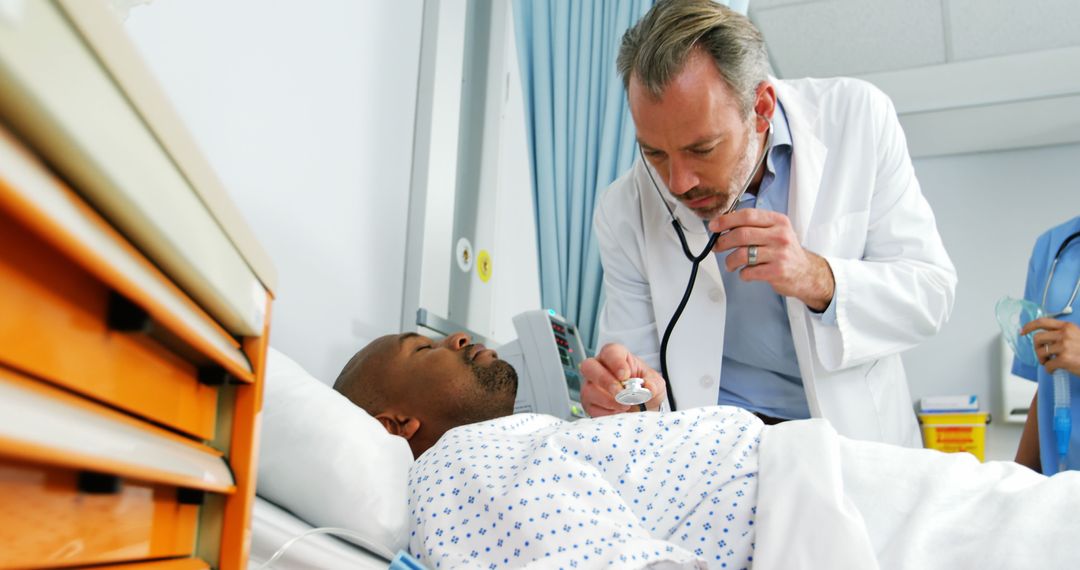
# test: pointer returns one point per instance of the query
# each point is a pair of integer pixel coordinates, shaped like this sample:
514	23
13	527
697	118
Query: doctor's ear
764	106
399	425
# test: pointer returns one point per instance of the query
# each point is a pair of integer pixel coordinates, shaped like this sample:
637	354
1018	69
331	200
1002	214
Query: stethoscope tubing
1067	310
695	260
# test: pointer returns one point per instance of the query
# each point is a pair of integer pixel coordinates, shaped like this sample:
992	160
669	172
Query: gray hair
656	48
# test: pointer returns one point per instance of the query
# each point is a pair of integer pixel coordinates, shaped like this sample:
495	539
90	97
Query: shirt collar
781	140
781	132
781	143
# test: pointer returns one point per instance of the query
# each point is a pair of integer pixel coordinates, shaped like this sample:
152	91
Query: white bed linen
272	526
826	501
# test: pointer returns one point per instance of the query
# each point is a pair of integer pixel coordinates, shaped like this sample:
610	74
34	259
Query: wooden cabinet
134	311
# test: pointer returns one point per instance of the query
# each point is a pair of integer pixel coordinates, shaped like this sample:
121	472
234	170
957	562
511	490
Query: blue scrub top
1065	278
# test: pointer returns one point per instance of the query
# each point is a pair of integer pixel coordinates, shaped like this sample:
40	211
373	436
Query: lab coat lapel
807	168
695	351
696	348
807	161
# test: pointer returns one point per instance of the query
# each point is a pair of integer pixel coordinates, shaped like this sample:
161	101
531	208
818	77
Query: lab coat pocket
843	237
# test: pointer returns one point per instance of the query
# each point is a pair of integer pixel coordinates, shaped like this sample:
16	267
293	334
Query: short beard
496	384
743	171
495	378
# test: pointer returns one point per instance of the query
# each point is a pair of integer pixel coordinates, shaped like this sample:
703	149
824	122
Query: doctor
830	267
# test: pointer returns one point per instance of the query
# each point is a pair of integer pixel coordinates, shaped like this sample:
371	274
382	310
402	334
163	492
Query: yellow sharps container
955	432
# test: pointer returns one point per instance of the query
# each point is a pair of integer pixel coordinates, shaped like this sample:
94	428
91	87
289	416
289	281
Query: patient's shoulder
516	427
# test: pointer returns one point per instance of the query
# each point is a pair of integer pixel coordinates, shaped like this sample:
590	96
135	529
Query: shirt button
707	381
715	295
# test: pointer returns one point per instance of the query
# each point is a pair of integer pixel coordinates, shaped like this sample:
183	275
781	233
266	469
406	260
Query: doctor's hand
604	375
781	261
1057	346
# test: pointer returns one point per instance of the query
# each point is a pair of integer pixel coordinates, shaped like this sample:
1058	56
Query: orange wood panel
244	456
54	327
173	564
45	522
54	233
39	454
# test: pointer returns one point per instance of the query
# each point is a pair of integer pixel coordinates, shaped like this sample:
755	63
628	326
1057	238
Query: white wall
990	208
437	256
306	112
505	223
516	280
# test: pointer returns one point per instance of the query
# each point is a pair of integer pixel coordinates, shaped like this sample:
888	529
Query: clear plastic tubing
1062	415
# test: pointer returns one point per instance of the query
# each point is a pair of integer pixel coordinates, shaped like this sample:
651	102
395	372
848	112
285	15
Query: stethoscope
633	396
1049	278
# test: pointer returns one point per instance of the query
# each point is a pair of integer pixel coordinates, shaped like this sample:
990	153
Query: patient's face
447	383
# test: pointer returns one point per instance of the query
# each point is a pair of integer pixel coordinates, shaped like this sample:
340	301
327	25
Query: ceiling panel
850	37
966	75
986	81
766	4
985	28
1020	124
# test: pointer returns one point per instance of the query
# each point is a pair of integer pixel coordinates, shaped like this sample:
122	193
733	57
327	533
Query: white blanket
627	491
829	502
682	490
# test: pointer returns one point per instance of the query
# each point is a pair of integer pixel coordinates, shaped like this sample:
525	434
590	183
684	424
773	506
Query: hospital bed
823	501
273	526
323	462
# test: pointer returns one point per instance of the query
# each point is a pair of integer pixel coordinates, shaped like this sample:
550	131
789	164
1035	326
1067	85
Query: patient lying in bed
707	487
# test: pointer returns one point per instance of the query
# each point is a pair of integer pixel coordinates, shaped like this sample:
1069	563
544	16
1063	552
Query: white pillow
328	461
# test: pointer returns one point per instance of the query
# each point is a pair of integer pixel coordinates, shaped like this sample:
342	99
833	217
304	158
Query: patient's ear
399	425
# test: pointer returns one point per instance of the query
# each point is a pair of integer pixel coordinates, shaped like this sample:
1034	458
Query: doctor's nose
457	341
681	178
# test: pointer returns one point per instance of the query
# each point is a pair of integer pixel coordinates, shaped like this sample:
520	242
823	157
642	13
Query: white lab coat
855	201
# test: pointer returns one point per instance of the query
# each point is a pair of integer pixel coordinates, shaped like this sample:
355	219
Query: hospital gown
625	491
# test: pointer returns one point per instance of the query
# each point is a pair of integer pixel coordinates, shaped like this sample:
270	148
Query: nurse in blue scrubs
1057	344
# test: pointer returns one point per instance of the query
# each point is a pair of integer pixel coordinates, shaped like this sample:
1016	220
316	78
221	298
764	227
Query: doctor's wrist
821	285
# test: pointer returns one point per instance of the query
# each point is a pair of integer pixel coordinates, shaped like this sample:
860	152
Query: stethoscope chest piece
633	393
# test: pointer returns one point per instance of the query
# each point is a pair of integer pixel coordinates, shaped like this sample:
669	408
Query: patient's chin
497	378
499	382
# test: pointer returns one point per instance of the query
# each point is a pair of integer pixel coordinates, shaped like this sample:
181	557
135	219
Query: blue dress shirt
760	371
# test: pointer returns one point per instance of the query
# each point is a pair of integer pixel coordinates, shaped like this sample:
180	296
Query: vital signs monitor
547	356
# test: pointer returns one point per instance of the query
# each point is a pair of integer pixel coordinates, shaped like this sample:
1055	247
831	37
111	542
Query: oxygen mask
1012	315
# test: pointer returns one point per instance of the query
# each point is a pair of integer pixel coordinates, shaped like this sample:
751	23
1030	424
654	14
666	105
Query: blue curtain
581	137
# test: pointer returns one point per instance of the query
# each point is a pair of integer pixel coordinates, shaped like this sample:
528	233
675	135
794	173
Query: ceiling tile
985	28
758	5
849	37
